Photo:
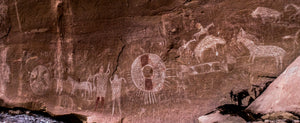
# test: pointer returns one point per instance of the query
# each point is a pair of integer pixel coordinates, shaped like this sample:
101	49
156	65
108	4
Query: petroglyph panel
154	64
40	80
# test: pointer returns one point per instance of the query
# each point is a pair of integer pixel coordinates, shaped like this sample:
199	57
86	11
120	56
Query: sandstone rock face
282	94
146	60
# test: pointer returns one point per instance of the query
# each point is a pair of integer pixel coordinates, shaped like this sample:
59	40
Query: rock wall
146	60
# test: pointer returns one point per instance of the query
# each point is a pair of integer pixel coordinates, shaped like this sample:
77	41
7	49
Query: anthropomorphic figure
100	82
116	84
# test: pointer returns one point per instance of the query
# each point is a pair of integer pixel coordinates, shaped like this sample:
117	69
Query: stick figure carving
202	30
116	84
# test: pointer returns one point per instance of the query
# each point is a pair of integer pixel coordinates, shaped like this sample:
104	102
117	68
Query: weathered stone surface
282	94
216	117
175	60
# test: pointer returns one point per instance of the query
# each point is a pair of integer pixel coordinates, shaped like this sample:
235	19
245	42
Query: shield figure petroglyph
40	80
148	72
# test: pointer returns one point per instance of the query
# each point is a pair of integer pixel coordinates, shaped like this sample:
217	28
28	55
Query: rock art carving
4	72
100	84
65	102
204	68
207	43
202	30
116	85
266	13
40	80
297	8
261	51
85	87
293	37
148	73
185	47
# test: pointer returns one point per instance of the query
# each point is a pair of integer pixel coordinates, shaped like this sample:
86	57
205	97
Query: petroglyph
85	87
266	13
185	47
100	84
148	72
297	8
65	102
40	80
293	37
261	51
4	72
116	85
202	30
204	68
209	42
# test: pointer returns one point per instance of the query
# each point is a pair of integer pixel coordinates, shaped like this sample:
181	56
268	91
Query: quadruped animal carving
209	42
266	13
297	8
260	50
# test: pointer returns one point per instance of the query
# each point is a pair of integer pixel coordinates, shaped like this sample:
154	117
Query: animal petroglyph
40	80
202	30
293	37
116	85
205	68
148	72
261	51
297	8
185	47
266	13
206	43
85	87
4	72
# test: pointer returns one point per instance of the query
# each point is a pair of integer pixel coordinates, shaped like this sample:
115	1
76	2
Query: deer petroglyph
261	51
202	30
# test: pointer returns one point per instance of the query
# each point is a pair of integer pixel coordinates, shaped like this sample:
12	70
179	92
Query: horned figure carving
209	42
261	51
266	13
297	8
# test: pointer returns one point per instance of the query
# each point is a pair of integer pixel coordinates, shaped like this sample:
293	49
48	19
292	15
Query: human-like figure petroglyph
185	47
4	72
266	13
293	37
116	85
209	42
100	84
40	80
261	51
85	87
297	8
202	30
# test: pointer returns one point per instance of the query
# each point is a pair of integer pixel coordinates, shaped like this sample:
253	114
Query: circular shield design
40	80
148	72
